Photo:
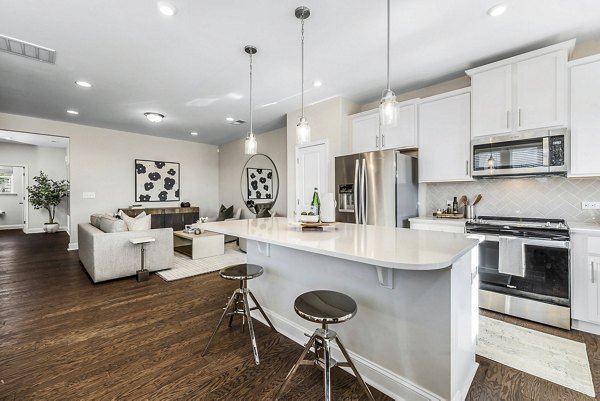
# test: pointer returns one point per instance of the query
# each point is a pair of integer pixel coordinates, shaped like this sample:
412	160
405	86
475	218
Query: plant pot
50	228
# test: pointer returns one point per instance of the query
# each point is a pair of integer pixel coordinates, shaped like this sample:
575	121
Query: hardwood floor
62	338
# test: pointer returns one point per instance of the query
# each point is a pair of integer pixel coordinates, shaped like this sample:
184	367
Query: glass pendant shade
302	131
250	145
388	110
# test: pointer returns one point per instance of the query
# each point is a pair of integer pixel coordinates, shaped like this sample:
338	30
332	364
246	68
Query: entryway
13	213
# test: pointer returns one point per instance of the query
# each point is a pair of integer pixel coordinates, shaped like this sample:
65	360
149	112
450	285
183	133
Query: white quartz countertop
397	248
438	220
583	227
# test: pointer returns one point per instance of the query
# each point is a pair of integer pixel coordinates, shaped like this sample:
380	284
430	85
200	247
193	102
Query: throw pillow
225	213
263	210
129	221
139	223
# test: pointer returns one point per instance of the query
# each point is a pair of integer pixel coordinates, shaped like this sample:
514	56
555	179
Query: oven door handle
547	243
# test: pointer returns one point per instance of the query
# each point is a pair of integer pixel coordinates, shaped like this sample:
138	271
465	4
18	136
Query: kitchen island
415	331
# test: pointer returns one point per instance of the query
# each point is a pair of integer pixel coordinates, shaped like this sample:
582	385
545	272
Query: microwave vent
26	49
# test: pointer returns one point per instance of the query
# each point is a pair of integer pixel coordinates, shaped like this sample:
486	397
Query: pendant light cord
302	56
251	132
388	45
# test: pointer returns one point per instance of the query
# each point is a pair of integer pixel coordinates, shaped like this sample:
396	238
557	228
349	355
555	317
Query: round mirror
259	183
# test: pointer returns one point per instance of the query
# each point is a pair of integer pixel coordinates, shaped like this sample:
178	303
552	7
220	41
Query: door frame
25	196
320	142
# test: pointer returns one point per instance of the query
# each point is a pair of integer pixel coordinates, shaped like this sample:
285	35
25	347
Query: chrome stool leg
250	324
351	365
260	309
231	300
300	361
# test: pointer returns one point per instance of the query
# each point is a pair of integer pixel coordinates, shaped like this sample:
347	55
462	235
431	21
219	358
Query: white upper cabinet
542	91
365	131
368	136
492	95
525	92
444	137
585	117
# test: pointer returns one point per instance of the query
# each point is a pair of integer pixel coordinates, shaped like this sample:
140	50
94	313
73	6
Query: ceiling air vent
238	122
26	49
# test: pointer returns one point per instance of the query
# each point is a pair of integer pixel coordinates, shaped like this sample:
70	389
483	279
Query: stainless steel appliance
540	152
377	188
524	268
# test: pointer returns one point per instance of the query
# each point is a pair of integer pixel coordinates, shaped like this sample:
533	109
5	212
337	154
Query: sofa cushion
225	213
138	223
108	223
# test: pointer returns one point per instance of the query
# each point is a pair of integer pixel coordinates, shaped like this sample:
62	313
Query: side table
142	274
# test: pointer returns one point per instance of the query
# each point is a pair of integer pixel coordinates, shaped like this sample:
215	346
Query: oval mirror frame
250	202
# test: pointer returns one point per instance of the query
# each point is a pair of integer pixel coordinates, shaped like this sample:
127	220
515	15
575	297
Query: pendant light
250	146
388	112
302	129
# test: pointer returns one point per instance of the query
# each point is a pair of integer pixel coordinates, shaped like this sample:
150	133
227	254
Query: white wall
102	161
328	120
37	158
231	163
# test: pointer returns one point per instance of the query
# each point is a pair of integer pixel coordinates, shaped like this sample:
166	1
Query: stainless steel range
524	267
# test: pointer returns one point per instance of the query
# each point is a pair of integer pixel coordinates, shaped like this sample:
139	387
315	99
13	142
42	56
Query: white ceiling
193	69
33	139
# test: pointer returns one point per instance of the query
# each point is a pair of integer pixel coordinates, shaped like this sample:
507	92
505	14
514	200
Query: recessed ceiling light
317	84
235	96
230	119
166	8
74	112
194	133
53	141
84	84
8	138
497	10
154	117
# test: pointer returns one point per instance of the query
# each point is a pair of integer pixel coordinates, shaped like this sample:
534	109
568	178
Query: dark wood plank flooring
63	337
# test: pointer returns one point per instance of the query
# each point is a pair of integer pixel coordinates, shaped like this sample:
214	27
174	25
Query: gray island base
415	331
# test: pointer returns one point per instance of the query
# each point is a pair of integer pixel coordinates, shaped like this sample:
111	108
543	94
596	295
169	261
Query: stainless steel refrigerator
378	188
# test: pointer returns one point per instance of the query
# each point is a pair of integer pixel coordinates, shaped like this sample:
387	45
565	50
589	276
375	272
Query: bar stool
239	301
325	307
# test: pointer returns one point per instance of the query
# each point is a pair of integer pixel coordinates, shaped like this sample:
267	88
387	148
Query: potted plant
47	193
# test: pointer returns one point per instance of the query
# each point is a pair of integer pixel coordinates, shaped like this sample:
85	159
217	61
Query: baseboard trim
11	227
462	394
384	380
73	246
585	326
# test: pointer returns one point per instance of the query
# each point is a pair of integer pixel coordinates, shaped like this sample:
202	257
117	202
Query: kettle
328	205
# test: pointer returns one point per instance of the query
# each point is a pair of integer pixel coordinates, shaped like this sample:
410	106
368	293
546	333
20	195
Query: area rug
185	267
552	358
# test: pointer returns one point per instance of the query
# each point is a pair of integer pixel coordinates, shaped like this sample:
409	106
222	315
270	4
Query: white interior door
311	172
19	189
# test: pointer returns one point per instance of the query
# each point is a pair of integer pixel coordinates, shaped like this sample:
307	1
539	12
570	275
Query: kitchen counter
437	220
416	293
395	248
583	227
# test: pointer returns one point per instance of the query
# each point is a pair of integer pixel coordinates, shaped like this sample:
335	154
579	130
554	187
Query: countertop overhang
396	248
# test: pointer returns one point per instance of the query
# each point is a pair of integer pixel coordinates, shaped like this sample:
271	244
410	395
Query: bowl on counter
309	219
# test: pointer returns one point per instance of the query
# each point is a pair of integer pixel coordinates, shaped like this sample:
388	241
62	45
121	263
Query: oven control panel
557	151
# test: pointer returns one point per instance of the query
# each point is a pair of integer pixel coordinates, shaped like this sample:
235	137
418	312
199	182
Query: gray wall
38	158
550	197
232	160
102	161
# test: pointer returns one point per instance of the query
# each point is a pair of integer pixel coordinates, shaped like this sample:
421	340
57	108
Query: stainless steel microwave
539	152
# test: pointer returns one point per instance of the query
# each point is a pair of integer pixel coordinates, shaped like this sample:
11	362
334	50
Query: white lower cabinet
434	224
585	283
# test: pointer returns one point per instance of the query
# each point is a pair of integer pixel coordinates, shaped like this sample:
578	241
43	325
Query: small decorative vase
50	228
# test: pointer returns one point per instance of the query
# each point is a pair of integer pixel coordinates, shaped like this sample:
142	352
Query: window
6	179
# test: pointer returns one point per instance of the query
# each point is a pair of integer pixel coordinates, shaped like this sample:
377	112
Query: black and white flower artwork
156	181
260	183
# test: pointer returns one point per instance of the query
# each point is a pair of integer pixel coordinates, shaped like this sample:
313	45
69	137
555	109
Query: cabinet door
585	119
444	138
365	132
591	270
404	134
541	91
491	97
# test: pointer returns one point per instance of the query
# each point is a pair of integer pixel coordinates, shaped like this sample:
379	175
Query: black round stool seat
325	306
241	272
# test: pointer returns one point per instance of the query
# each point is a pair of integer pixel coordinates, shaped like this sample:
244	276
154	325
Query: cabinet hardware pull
466	167
507	118
519	118
377	141
382	141
593	265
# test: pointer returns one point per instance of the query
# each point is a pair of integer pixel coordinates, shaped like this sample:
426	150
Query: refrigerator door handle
356	193
363	192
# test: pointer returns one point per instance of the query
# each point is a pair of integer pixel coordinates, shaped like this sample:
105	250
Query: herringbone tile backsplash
547	197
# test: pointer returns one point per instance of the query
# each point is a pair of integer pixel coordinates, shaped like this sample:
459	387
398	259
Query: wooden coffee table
199	246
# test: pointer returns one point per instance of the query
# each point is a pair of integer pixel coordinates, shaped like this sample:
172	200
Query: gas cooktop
521	222
552	229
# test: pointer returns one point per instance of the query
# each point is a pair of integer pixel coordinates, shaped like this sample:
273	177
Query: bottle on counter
455	205
315	205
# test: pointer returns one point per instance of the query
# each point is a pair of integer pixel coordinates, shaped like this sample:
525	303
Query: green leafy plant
47	193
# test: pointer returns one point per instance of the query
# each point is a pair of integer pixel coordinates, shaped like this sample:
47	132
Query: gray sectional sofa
106	253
